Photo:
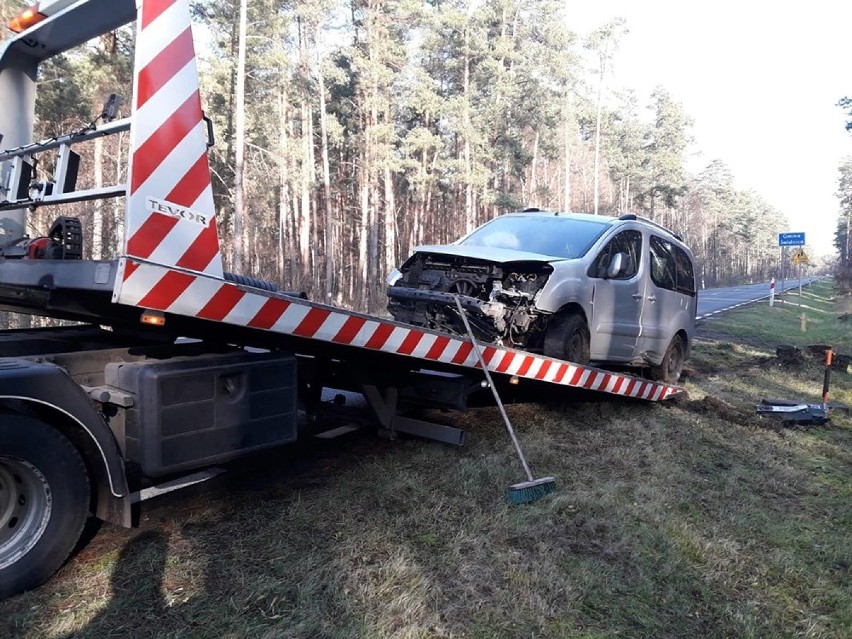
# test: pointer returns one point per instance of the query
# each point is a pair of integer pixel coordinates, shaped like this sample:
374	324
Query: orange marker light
153	318
27	18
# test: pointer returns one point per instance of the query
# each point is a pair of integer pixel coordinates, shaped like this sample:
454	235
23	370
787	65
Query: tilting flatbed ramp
200	296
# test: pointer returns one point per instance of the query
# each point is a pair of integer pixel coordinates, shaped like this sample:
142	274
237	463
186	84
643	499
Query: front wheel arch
567	336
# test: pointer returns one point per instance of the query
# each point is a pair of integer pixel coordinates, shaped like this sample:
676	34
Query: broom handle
494	390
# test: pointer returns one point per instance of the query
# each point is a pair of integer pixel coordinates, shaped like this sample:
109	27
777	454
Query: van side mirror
616	265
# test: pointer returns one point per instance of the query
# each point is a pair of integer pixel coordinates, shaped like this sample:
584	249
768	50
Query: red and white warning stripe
170	212
190	294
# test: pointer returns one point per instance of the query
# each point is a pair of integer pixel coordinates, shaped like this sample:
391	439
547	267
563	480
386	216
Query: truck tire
567	338
44	502
671	366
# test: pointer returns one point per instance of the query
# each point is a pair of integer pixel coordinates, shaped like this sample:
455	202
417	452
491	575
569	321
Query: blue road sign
791	239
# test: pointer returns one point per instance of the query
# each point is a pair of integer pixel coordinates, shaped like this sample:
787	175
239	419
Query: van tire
567	338
671	366
44	502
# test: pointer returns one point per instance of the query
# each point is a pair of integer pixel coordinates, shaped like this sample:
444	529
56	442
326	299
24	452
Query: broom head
528	491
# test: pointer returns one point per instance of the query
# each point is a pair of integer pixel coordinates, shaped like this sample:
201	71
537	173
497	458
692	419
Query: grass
763	325
693	518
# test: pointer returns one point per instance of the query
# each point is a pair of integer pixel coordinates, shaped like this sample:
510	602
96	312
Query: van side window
671	267
662	263
627	242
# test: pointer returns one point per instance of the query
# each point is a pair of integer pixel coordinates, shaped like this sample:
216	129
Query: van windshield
552	236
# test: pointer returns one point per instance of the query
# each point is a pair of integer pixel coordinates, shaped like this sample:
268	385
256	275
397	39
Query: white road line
752	301
728	308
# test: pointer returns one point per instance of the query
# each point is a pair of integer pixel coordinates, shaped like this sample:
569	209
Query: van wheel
44	502
567	338
671	366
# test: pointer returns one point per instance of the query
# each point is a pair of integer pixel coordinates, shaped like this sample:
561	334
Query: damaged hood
489	253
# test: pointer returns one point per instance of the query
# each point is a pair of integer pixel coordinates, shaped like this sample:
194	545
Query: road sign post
800	258
800	282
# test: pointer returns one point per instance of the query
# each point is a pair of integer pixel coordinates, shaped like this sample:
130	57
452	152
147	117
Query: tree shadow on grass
137	607
214	560
248	569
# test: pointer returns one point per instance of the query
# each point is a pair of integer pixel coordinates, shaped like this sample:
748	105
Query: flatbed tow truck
173	364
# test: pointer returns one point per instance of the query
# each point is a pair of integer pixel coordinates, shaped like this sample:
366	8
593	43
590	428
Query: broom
526	491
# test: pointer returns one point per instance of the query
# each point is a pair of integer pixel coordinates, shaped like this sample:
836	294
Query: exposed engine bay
499	297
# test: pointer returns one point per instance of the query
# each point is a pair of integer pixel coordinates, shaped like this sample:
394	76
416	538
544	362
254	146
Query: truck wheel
671	365
567	338
44	502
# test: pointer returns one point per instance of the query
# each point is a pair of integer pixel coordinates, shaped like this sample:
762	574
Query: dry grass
693	519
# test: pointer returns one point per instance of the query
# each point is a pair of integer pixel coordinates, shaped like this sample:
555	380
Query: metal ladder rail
15	185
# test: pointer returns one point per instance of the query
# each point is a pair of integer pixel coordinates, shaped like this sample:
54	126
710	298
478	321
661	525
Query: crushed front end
499	297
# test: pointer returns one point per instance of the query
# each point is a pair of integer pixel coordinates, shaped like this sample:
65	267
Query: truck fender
48	392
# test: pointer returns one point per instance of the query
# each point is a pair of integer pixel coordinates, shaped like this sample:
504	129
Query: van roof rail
650	222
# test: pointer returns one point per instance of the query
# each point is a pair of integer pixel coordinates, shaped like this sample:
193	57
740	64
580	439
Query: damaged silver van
582	288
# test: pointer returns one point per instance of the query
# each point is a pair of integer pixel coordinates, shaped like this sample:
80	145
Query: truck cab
94	409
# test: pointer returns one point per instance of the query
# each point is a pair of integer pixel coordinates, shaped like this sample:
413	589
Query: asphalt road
716	300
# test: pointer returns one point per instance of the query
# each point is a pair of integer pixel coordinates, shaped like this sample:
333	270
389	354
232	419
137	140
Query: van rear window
685	274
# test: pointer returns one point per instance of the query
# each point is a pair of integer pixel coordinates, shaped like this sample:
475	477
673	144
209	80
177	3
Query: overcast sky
761	81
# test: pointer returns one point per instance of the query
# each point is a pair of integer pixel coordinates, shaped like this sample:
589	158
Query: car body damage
572	286
500	272
500	297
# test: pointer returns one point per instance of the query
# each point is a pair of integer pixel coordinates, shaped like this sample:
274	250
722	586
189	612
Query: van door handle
652	298
637	296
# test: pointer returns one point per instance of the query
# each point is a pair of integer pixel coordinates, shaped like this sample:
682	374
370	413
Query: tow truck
165	363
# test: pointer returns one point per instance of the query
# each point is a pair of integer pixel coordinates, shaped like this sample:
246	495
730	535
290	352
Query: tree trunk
328	219
364	226
390	223
598	138
304	220
365	222
239	141
390	260
468	177
567	185
118	210
372	175
533	194
98	205
283	182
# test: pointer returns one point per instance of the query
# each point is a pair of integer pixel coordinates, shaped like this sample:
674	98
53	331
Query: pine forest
350	131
